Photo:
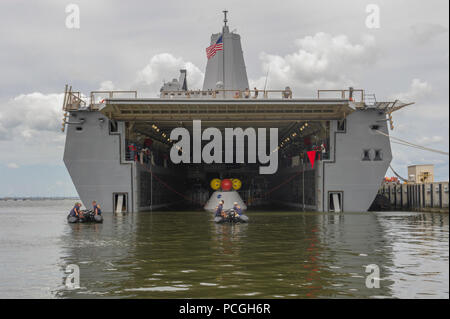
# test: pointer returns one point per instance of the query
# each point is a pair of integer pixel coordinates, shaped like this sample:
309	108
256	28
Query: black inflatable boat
231	217
88	217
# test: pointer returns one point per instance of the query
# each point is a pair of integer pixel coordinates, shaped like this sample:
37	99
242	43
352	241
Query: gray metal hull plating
95	160
93	157
346	171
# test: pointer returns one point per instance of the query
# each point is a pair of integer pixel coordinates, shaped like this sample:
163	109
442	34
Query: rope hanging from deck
396	174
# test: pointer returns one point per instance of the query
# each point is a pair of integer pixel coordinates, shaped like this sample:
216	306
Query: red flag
312	157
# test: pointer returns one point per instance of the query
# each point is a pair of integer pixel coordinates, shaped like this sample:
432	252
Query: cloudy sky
138	44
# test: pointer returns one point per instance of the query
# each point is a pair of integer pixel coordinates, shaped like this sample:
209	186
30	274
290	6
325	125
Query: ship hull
96	159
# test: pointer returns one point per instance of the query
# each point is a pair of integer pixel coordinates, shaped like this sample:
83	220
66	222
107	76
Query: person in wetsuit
219	209
76	212
96	208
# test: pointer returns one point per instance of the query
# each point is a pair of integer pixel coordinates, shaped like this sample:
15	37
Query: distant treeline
37	198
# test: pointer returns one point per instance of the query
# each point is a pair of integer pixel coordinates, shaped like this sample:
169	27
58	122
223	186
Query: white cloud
425	140
106	86
418	90
425	32
13	165
164	67
27	114
30	124
320	61
30	129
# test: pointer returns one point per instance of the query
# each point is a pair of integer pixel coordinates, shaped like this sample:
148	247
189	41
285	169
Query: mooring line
406	143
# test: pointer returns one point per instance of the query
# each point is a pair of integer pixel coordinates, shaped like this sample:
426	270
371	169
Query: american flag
212	49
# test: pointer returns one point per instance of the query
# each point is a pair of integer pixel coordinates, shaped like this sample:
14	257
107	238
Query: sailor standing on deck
256	93
247	93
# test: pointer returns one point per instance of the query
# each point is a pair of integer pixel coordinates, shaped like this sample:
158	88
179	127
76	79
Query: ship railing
355	95
227	94
370	100
97	98
72	100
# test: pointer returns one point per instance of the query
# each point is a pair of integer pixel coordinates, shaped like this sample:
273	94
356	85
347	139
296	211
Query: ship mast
233	75
225	17
224	29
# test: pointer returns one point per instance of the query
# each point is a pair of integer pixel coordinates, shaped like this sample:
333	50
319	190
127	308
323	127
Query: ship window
366	155
79	128
378	155
341	126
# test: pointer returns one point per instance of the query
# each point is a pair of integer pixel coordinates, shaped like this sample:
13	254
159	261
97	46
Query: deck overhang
226	110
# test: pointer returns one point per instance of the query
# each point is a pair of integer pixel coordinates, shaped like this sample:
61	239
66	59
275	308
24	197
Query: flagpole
223	64
223	51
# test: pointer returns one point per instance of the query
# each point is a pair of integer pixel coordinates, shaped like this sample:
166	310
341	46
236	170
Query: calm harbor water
186	255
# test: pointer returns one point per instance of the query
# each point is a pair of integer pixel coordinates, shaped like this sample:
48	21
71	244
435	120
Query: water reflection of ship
99	250
229	238
317	255
418	243
352	242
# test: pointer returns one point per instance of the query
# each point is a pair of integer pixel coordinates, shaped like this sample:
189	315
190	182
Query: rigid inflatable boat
88	217
231	217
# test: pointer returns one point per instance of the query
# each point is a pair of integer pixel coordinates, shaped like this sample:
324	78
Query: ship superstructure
118	144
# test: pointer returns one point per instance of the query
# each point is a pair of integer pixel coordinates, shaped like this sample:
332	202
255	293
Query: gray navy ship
332	153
